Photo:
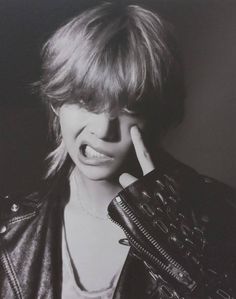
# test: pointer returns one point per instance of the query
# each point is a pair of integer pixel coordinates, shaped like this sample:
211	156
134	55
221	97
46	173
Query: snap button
158	223
145	196
208	180
3	229
176	240
15	207
205	218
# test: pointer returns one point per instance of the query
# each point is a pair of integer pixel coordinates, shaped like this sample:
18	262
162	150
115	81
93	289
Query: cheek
67	131
126	144
68	126
71	122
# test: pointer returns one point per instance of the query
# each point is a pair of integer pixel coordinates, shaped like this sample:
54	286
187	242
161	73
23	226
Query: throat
92	196
92	239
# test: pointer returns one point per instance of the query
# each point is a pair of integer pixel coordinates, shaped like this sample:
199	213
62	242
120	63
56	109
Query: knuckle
146	154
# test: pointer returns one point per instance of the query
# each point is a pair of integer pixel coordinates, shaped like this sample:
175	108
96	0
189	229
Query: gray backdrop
206	140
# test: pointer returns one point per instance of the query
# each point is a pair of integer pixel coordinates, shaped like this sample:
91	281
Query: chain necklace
105	218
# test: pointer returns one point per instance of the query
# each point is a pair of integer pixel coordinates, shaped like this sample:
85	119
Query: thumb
126	179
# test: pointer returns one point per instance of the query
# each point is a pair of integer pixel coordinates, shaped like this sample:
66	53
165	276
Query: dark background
206	140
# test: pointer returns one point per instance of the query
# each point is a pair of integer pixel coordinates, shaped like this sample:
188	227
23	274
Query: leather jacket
31	232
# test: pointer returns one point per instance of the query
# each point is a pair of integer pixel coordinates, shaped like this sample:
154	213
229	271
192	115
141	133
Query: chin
95	173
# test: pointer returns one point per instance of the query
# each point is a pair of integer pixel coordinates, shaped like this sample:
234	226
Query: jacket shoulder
212	202
17	205
25	204
211	199
213	188
216	203
209	194
200	184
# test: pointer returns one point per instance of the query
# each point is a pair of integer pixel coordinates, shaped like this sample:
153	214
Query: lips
92	153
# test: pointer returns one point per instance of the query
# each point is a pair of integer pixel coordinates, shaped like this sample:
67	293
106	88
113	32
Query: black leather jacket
31	231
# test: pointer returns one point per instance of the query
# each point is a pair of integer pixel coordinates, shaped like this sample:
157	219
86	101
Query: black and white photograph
117	149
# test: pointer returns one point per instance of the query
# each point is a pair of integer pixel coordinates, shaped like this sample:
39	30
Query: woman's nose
104	127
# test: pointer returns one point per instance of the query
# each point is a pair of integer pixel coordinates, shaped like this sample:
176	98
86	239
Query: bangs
114	78
107	61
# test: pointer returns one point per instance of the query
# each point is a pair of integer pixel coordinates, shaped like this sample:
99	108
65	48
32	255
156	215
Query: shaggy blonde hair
107	58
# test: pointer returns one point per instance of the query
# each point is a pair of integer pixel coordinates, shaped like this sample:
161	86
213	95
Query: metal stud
205	218
15	207
208	180
3	229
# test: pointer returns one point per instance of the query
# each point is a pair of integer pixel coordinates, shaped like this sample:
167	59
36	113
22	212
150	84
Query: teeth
91	153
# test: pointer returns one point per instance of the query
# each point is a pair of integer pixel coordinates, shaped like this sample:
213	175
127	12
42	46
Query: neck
94	196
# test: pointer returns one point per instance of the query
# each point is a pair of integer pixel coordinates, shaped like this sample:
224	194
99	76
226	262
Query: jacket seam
21	218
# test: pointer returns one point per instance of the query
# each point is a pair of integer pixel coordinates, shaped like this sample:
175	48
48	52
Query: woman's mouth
92	153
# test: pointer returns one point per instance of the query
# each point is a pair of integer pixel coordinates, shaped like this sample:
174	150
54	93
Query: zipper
10	274
171	267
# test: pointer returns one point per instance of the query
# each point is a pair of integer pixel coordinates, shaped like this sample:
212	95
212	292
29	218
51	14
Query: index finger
141	151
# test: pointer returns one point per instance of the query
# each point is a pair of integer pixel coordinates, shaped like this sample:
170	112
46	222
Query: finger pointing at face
141	151
143	157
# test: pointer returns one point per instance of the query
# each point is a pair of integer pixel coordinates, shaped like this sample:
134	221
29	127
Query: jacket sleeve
182	226
215	209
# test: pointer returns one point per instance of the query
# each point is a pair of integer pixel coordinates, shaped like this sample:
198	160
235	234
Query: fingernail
135	130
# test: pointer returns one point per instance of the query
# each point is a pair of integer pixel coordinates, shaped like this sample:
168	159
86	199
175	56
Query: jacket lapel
134	282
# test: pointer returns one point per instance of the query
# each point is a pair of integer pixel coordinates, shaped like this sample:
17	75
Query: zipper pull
182	276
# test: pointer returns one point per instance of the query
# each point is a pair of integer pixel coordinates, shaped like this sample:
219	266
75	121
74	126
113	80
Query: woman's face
97	143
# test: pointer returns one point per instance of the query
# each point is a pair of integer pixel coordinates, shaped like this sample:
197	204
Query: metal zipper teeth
150	255
141	248
10	276
149	237
155	243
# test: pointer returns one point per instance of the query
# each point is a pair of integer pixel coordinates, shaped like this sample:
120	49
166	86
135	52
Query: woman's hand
143	157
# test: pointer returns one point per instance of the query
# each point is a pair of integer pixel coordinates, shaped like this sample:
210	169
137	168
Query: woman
108	75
